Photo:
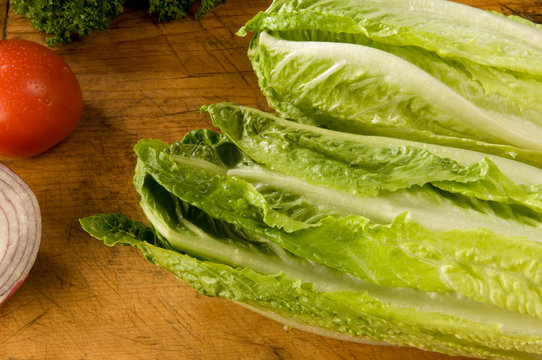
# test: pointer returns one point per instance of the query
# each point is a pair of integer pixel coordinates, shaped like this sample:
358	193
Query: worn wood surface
84	300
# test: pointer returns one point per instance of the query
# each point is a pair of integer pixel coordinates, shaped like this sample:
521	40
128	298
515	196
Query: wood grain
3	17
84	300
528	9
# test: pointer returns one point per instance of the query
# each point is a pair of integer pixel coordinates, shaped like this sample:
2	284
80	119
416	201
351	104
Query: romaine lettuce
302	225
424	70
344	310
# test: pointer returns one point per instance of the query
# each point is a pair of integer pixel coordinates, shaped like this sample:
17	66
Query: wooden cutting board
84	300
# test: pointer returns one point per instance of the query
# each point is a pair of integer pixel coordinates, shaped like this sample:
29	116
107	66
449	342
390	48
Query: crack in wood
4	10
530	12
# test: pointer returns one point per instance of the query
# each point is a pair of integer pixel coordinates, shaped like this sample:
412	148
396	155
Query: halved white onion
20	231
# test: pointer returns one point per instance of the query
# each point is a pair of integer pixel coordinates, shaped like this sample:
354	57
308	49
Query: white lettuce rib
440	216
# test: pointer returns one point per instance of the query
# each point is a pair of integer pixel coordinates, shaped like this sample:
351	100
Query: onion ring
20	231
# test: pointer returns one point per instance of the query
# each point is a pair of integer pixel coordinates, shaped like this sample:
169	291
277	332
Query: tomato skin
40	99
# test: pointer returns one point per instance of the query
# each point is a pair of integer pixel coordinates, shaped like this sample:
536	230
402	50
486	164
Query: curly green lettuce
63	21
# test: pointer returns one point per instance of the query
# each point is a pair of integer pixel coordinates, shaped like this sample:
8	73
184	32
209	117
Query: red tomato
40	98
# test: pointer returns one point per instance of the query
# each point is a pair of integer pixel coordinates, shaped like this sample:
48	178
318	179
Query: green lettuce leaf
369	165
427	70
344	259
445	28
305	294
361	89
400	253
